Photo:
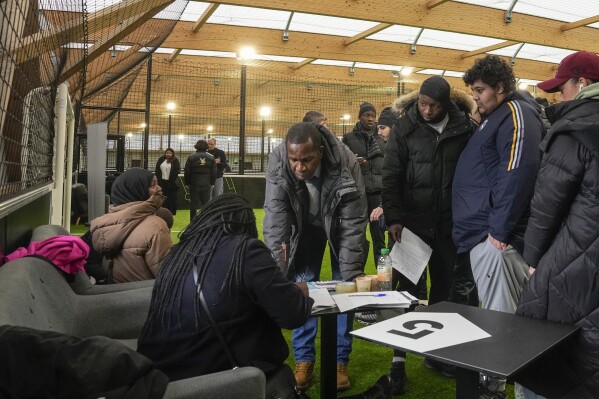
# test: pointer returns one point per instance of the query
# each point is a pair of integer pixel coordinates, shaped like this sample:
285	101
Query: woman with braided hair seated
247	296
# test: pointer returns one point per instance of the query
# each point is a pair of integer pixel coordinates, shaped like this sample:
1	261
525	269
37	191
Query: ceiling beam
483	50
305	62
311	45
435	3
365	34
125	28
204	17
43	42
578	24
174	55
121	57
453	17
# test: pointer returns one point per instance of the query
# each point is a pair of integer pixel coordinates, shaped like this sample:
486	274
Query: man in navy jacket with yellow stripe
494	182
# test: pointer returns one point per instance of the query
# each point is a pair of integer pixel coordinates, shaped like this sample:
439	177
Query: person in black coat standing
167	172
561	243
200	176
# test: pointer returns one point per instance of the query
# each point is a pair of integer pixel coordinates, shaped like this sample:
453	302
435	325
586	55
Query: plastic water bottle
384	270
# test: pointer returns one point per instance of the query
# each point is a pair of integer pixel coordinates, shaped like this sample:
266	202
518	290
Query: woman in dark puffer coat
562	242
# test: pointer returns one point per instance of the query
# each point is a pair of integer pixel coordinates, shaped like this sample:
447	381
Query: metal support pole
242	120
147	119
169	131
262	150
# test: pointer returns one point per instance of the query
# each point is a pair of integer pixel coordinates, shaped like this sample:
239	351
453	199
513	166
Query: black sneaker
446	369
398	377
380	390
366	318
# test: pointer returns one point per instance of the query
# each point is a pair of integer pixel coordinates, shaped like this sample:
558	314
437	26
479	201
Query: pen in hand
367	294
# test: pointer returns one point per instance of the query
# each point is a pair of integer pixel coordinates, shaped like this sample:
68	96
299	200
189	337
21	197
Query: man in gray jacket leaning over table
314	194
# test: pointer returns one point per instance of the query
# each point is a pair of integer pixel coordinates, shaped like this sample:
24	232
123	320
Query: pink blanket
69	253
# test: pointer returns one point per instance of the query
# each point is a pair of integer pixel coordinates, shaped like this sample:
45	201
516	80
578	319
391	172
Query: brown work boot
303	373
342	377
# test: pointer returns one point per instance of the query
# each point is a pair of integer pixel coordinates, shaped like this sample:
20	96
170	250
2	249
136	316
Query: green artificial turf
368	360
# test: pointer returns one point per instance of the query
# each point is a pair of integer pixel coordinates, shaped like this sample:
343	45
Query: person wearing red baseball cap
576	71
562	239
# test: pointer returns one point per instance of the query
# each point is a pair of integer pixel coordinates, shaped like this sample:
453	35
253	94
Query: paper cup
363	284
374	284
345	287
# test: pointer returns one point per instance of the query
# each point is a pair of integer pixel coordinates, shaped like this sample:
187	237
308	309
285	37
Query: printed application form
410	256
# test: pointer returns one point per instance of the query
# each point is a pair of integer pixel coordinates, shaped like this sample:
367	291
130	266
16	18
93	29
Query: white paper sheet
410	256
384	299
322	300
423	331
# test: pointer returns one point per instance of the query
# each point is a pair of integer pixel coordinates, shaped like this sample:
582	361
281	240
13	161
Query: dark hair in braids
228	214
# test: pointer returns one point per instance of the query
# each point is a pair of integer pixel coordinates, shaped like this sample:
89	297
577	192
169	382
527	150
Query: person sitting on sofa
132	239
249	298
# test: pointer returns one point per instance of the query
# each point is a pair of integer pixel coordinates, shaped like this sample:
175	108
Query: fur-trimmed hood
462	99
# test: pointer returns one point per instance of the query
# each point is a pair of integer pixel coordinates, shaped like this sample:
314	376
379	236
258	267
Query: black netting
207	104
33	42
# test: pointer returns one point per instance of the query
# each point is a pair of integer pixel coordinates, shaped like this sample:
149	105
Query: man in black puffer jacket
562	238
420	160
418	170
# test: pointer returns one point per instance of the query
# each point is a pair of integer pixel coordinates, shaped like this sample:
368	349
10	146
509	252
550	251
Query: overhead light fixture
113	52
129	135
143	125
522	86
269	131
171	105
346	117
246	53
181	137
210	128
265	111
406	71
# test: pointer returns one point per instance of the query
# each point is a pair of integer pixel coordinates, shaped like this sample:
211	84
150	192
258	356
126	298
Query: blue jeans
308	261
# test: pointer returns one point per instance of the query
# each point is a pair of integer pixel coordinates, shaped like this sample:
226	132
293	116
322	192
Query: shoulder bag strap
216	329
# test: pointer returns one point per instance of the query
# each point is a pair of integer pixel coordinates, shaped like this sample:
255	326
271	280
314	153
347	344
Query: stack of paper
374	299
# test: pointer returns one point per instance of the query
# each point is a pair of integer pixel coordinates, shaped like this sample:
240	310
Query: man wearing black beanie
369	148
417	175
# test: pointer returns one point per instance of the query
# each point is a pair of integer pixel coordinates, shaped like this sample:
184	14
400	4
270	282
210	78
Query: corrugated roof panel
249	16
193	11
560	10
534	52
332	63
383	67
328	25
221	54
434	38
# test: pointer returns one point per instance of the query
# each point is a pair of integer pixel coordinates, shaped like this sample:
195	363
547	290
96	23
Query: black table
514	343
328	348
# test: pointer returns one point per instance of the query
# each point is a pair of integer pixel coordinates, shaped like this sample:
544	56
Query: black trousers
377	231
199	195
463	288
171	200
